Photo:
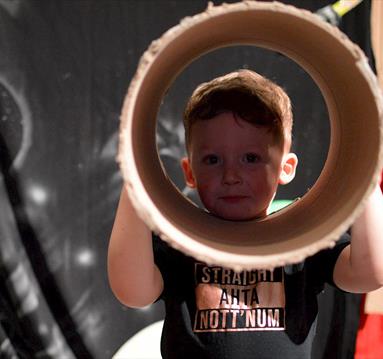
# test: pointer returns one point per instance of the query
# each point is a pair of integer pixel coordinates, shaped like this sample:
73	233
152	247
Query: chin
239	216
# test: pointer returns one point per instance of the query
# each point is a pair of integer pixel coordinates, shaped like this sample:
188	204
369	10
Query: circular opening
318	219
311	132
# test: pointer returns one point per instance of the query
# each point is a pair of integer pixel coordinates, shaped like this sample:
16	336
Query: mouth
233	199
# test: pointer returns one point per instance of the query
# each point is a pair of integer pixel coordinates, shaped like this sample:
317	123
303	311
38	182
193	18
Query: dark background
65	67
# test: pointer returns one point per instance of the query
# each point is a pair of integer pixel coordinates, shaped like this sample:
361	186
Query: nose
231	175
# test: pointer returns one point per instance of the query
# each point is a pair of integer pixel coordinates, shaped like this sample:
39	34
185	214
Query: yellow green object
342	7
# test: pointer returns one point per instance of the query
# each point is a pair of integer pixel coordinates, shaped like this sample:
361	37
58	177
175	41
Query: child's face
236	167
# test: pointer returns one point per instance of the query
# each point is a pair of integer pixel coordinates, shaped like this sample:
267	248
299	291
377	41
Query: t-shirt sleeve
323	263
172	265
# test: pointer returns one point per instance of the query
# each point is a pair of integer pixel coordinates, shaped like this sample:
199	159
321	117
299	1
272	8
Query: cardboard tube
354	103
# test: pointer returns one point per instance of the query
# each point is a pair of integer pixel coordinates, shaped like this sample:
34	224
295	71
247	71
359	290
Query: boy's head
238	137
249	96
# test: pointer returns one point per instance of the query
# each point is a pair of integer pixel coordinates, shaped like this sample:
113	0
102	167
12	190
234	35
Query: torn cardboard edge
354	102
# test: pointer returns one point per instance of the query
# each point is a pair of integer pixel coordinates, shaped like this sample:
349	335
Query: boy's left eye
251	158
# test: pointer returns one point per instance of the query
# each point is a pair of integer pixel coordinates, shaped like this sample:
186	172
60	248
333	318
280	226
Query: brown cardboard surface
354	103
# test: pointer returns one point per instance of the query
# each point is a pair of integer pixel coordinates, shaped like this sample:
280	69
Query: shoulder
330	255
177	268
163	251
323	263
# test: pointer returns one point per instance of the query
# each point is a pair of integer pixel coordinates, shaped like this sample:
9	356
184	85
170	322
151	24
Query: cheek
264	180
205	190
206	180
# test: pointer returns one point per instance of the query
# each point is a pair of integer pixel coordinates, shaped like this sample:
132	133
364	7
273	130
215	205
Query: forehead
229	131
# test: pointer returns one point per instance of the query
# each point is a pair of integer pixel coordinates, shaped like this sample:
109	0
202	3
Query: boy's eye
251	158
210	159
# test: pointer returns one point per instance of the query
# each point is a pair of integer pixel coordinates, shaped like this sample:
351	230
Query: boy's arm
133	276
359	267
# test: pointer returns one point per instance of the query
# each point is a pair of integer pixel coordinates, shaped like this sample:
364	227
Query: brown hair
246	94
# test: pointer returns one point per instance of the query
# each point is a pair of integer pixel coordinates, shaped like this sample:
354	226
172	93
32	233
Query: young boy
238	138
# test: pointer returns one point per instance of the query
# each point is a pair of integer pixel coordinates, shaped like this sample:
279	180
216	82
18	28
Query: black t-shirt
214	312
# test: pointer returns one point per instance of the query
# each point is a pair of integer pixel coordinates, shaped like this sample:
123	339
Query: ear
289	165
188	173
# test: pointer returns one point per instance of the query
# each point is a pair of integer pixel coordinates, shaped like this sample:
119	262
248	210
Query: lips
233	199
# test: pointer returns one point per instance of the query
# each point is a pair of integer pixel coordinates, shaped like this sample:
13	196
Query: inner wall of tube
311	132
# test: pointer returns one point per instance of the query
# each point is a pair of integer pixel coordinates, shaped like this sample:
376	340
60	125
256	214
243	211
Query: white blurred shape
43	329
24	289
143	345
38	194
85	257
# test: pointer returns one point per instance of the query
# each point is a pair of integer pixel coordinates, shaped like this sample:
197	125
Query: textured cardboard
354	103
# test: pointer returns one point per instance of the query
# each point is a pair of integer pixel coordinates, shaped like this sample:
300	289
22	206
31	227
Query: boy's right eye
210	159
